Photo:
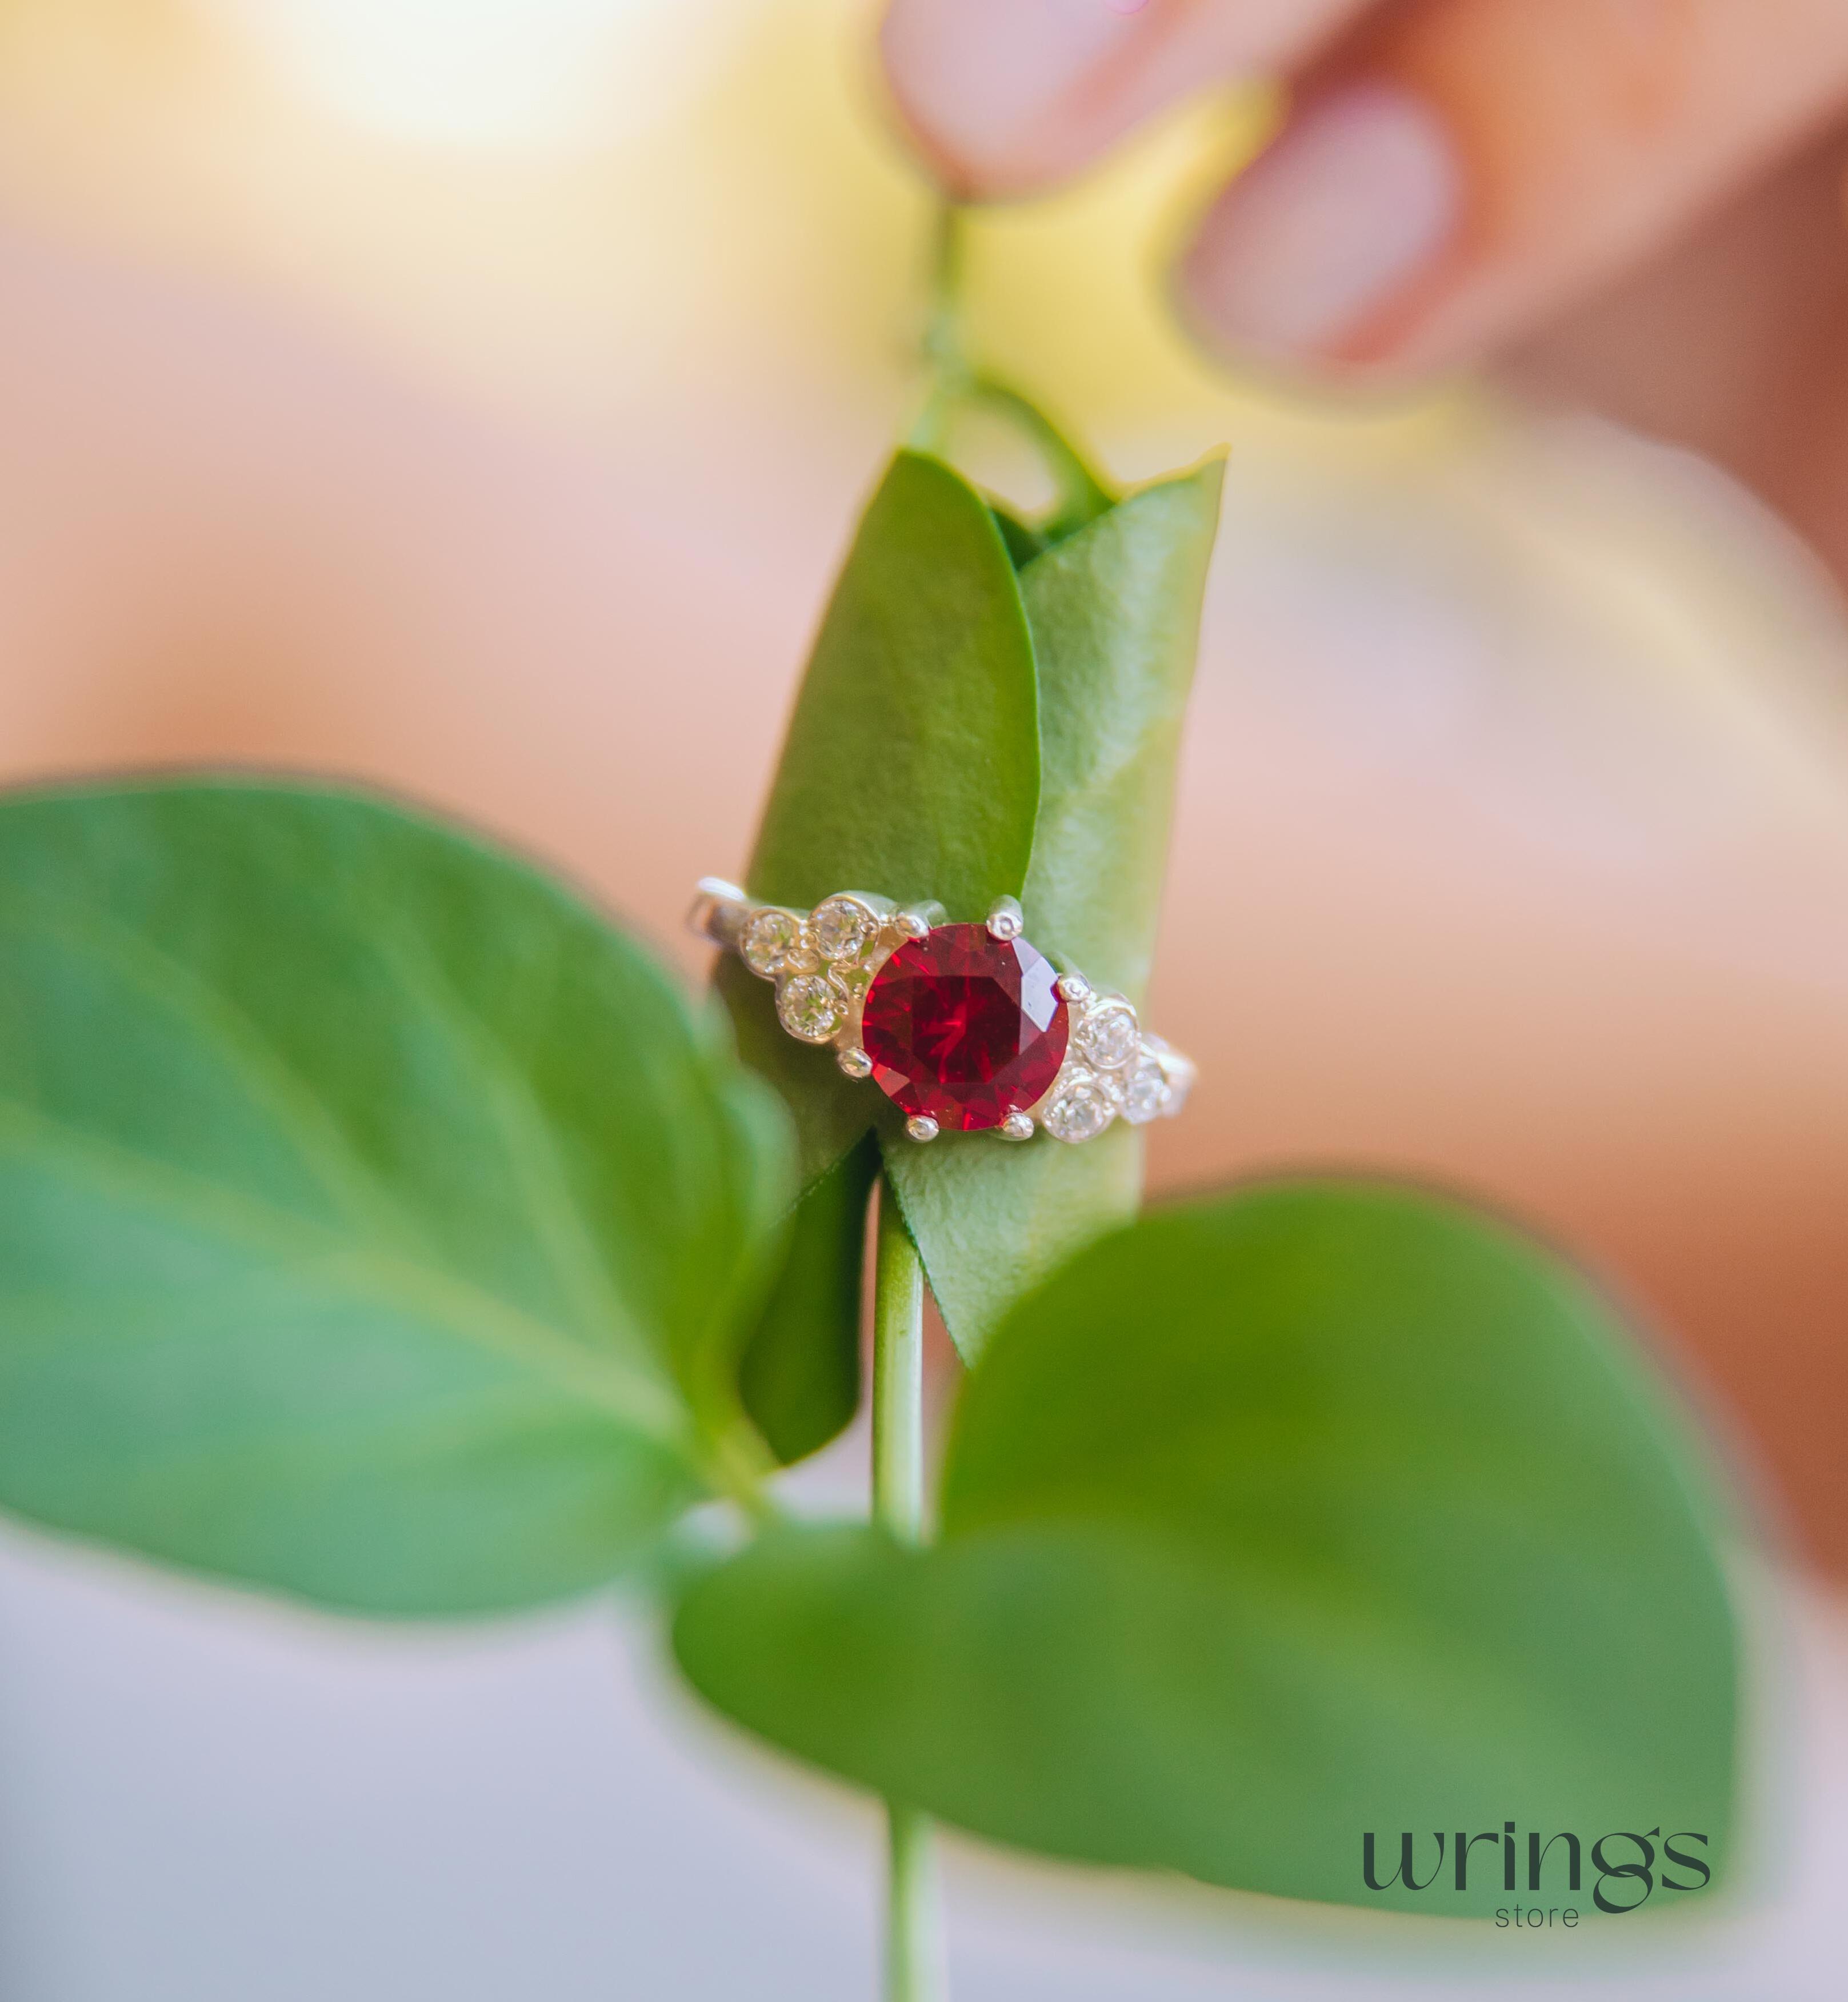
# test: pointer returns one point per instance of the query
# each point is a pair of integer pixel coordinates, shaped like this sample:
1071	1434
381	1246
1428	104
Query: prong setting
826	966
917	920
1005	919
719	909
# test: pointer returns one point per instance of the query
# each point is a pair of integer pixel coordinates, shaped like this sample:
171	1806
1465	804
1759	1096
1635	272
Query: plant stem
912	1973
953	381
912	1919
941	348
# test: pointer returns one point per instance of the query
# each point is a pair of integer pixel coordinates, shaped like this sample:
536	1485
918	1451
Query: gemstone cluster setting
963	1028
966	1027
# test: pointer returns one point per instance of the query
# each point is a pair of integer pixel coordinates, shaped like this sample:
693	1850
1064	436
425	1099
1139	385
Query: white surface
204	1796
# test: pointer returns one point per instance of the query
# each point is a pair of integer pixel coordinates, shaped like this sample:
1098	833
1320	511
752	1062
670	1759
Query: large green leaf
911	769
376	1223
1114	610
800	1376
912	765
1319	1510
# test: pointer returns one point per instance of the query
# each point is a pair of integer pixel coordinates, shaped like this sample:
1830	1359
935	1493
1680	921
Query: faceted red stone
963	1028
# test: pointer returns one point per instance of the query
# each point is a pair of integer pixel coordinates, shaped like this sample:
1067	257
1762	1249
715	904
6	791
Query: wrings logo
1628	1868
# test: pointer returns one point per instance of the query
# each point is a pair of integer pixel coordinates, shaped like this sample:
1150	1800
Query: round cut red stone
963	1028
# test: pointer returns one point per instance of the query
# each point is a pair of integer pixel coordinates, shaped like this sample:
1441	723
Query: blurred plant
381	1227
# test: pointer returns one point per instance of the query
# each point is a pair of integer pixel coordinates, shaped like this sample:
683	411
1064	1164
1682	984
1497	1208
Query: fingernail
977	77
1361	193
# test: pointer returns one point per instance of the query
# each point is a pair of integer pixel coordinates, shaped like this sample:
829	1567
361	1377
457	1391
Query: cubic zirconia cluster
965	1028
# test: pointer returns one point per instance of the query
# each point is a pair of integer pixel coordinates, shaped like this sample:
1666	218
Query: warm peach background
510	470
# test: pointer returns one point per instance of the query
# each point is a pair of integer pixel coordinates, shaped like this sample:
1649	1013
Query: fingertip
981	85
1359	197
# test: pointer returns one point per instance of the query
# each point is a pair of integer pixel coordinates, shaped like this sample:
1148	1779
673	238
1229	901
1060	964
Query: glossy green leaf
1114	610
1023	541
1115	614
1321	1509
801	1373
912	764
376	1223
911	769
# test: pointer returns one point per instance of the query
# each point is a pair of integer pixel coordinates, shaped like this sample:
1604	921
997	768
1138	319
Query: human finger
1007	96
1459	171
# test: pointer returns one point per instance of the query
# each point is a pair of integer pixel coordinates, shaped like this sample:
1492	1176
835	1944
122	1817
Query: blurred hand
1638	202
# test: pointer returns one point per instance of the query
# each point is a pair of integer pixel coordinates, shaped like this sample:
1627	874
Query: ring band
966	1027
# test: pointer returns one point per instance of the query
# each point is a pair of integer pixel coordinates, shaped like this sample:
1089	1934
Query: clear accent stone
1107	1035
844	929
1082	1109
768	939
811	1006
1145	1091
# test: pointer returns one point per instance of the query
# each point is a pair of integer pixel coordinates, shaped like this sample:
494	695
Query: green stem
946	369
1083	496
953	381
912	1922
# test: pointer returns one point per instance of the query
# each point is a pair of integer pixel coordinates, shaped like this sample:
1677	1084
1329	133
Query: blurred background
476	395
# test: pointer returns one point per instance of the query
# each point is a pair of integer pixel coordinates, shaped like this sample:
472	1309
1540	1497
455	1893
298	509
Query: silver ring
966	1027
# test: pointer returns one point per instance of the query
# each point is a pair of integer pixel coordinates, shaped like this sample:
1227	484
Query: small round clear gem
768	939
1144	1092
811	1006
1107	1035
844	929
1082	1109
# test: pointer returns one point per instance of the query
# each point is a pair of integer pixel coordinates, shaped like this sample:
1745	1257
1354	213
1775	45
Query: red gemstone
963	1028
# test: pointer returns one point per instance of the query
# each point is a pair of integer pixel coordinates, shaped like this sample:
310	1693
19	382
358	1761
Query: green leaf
911	769
1115	614
800	1374
912	765
376	1223
1023	542
1114	610
1320	1509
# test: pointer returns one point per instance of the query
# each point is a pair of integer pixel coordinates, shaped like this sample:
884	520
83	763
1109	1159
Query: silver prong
1181	1073
855	1062
920	1126
1075	987
718	909
1017	1126
1006	920
917	918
